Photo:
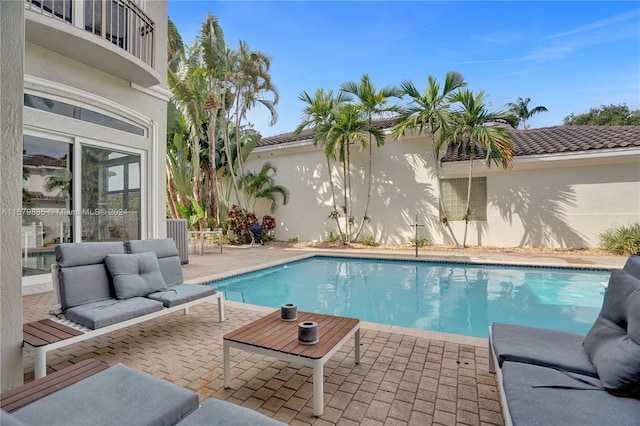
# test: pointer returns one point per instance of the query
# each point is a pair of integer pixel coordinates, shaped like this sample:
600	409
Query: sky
567	56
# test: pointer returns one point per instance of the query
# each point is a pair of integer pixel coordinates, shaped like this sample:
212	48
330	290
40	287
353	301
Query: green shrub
422	241
622	240
333	238
369	241
293	240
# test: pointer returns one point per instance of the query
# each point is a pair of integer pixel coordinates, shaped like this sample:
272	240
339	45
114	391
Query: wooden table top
46	331
270	332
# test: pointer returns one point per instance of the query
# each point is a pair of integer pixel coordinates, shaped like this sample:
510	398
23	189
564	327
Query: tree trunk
333	197
466	220
441	205
366	208
212	184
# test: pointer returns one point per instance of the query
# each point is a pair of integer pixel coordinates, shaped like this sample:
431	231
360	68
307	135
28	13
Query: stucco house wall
561	201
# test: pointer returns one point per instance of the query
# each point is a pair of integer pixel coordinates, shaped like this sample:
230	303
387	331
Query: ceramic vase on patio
289	312
308	333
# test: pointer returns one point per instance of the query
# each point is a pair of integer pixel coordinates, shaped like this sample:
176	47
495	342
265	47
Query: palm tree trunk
348	169
212	186
466	210
172	201
333	197
370	184
227	150
440	200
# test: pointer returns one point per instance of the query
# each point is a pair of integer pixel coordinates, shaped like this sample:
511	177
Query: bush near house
622	240
239	221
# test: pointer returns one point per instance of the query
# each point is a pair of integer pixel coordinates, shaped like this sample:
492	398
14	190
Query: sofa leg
221	308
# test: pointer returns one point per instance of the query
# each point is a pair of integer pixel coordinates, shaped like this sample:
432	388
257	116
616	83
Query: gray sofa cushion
530	405
135	274
118	395
632	266
538	346
168	257
215	411
182	293
74	254
107	312
613	343
84	284
83	277
7	419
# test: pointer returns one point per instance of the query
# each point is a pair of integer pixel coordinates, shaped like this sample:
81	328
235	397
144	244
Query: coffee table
276	338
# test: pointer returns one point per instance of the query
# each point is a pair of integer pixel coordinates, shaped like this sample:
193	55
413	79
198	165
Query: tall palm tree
318	111
212	60
429	112
520	108
372	103
475	128
347	127
252	86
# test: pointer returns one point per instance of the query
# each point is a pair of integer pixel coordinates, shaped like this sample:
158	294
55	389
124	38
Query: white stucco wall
553	201
11	68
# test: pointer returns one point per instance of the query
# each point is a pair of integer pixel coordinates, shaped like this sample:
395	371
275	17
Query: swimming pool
452	298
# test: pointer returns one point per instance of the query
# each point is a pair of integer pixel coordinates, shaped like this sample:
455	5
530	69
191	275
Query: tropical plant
347	127
520	108
605	115
261	186
372	103
429	112
319	111
475	129
624	240
370	241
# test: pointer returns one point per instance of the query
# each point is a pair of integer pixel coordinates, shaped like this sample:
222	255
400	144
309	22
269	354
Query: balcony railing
121	22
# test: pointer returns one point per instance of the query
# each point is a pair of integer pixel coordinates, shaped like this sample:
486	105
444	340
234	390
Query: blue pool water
447	297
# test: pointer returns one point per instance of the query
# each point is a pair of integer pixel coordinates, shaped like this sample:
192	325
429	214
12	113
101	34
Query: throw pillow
135	274
613	343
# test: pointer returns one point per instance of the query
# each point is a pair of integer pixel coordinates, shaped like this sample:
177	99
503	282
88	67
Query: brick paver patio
403	378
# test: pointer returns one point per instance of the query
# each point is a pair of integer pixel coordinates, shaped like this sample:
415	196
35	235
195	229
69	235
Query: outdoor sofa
99	288
116	395
551	377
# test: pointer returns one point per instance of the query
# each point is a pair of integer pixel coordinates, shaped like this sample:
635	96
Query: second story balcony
114	36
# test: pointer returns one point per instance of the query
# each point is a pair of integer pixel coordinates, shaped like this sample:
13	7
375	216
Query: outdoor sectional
116	395
550	377
99	288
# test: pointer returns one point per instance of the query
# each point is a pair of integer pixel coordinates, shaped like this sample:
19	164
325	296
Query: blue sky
568	56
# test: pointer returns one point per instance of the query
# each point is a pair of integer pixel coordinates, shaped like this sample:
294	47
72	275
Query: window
46	201
110	195
454	195
79	113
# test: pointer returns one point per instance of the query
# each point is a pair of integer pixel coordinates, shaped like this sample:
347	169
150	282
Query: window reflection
110	195
46	202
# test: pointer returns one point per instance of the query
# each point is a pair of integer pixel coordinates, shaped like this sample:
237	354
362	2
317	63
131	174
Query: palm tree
475	128
372	103
347	128
520	108
318	111
263	186
430	112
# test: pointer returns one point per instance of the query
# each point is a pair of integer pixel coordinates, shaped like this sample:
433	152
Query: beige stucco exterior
57	60
542	201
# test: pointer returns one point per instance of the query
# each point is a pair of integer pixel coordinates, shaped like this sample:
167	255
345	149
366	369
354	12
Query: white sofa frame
40	352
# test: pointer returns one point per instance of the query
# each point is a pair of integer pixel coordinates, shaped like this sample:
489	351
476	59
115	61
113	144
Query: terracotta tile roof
307	134
563	139
38	160
546	140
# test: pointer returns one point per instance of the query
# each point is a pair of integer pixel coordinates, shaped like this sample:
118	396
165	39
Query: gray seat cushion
217	412
613	343
7	419
632	266
538	346
107	312
530	405
168	257
118	395
181	293
135	274
75	254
